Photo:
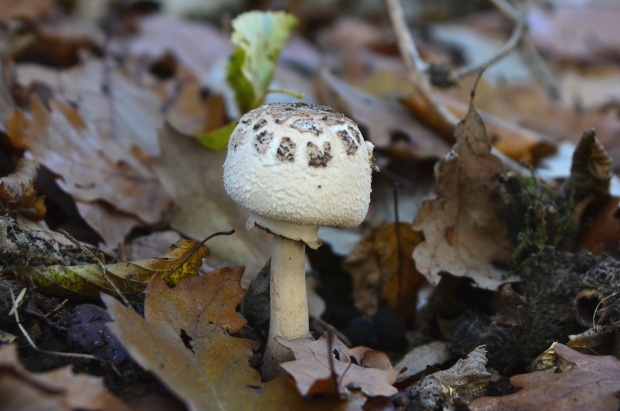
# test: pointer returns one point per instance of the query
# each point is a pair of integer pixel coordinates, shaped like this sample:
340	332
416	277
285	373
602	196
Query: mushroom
296	167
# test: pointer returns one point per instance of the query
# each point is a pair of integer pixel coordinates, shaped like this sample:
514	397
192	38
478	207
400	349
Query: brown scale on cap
286	150
316	158
261	141
306	125
349	144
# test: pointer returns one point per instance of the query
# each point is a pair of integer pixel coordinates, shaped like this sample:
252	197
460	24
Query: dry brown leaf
159	34
93	168
58	390
388	125
603	233
463	235
358	368
110	99
185	341
590	384
17	192
382	268
193	177
577	32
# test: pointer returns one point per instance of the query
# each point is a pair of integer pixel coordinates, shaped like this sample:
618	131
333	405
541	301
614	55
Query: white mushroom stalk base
289	302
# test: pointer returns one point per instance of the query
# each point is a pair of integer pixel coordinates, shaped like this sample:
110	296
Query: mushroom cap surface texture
300	164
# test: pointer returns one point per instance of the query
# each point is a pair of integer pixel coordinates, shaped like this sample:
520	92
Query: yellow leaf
88	281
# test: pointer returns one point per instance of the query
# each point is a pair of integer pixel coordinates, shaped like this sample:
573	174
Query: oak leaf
59	389
590	384
185	341
463	235
359	368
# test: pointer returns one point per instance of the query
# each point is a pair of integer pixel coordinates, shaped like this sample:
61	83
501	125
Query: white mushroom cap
296	167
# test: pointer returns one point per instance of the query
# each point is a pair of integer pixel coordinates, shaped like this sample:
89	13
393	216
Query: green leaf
217	139
259	37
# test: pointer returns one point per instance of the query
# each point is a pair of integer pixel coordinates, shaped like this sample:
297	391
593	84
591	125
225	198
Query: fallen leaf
577	32
359	368
185	341
463	235
193	177
109	98
93	168
17	192
590	384
464	381
59	389
603	232
87	281
159	34
591	168
382	269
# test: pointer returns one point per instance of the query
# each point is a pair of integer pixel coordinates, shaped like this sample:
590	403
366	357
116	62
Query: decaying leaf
185	341
461	383
359	368
59	389
603	232
17	192
94	169
193	177
382	268
591	169
463	235
87	281
590	384
259	37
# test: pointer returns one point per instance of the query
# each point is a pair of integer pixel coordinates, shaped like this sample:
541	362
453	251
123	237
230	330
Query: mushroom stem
289	302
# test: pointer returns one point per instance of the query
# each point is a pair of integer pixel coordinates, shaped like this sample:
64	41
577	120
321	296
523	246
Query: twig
17	301
509	46
104	270
530	55
415	65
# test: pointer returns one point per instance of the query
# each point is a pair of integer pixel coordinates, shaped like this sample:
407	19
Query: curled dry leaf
463	235
87	281
382	268
349	369
185	341
17	192
464	381
590	384
93	168
59	389
591	169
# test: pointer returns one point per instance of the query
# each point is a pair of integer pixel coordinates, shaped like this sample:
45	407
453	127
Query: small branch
530	55
509	46
416	66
